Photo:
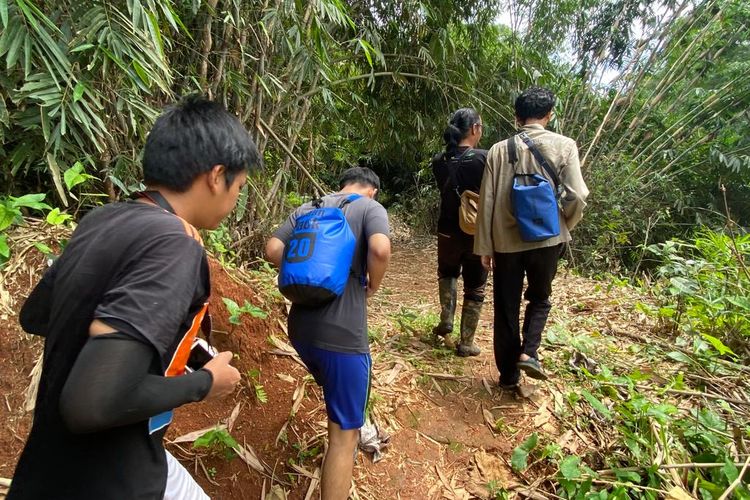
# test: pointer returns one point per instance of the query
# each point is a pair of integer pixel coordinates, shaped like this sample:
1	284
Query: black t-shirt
469	165
141	270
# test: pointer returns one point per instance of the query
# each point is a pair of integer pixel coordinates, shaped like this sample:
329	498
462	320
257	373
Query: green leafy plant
520	456
75	176
642	422
265	277
219	442
10	208
497	492
575	479
55	217
416	323
11	214
219	242
704	288
236	312
304	453
260	393
374	400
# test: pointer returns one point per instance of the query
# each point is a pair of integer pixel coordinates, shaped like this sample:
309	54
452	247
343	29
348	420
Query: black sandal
532	368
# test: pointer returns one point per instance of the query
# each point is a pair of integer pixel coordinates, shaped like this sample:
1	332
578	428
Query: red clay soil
257	425
18	352
411	464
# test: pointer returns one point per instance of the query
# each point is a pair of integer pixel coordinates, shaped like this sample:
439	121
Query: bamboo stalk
679	62
695	114
207	43
472	93
730	226
599	130
666	78
736	482
319	187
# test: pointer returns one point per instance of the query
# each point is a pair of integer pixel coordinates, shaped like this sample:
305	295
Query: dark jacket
469	165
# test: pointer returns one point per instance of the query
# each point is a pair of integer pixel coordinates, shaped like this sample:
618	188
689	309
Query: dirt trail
452	429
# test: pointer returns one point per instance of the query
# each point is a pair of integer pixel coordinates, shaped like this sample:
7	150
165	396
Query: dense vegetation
656	94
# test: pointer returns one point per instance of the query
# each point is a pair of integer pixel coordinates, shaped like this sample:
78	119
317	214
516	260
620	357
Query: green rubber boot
447	290
469	321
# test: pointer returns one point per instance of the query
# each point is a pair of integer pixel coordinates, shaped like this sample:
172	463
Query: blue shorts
345	379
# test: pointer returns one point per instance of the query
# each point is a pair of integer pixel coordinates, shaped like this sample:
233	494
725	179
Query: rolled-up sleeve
575	190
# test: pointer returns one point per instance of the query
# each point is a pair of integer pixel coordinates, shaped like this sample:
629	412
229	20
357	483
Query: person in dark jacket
459	168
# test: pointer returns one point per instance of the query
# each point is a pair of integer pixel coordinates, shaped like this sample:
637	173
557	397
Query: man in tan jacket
499	242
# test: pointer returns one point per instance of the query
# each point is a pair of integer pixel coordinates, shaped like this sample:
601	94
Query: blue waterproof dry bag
533	198
318	256
535	207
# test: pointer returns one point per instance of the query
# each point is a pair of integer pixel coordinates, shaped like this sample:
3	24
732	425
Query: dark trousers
456	258
539	266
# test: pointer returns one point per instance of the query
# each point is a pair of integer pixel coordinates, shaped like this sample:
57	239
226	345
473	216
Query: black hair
534	102
458	127
190	138
359	175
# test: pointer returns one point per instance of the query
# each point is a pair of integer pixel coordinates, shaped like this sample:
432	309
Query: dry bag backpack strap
349	199
541	160
363	272
512	151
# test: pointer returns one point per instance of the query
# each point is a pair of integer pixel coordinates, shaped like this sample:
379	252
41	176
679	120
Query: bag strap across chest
513	157
453	171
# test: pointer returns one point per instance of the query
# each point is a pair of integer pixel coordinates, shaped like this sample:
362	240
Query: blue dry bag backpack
318	257
533	198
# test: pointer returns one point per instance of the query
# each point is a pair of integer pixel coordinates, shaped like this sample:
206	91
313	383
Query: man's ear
216	178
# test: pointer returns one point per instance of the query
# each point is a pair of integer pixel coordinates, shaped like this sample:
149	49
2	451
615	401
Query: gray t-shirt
340	325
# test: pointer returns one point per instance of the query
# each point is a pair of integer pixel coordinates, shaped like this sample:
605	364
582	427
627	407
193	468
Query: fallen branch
205	472
528	492
33	389
315	480
694	465
622	483
708	395
437	440
446	376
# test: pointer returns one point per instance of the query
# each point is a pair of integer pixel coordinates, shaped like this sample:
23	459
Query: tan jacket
496	227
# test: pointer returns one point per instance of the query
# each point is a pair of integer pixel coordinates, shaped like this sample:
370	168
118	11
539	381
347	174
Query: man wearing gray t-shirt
332	339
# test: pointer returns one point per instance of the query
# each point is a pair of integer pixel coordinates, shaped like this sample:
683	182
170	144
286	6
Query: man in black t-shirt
459	168
120	310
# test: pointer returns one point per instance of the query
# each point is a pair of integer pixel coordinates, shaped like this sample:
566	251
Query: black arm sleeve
110	385
35	312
